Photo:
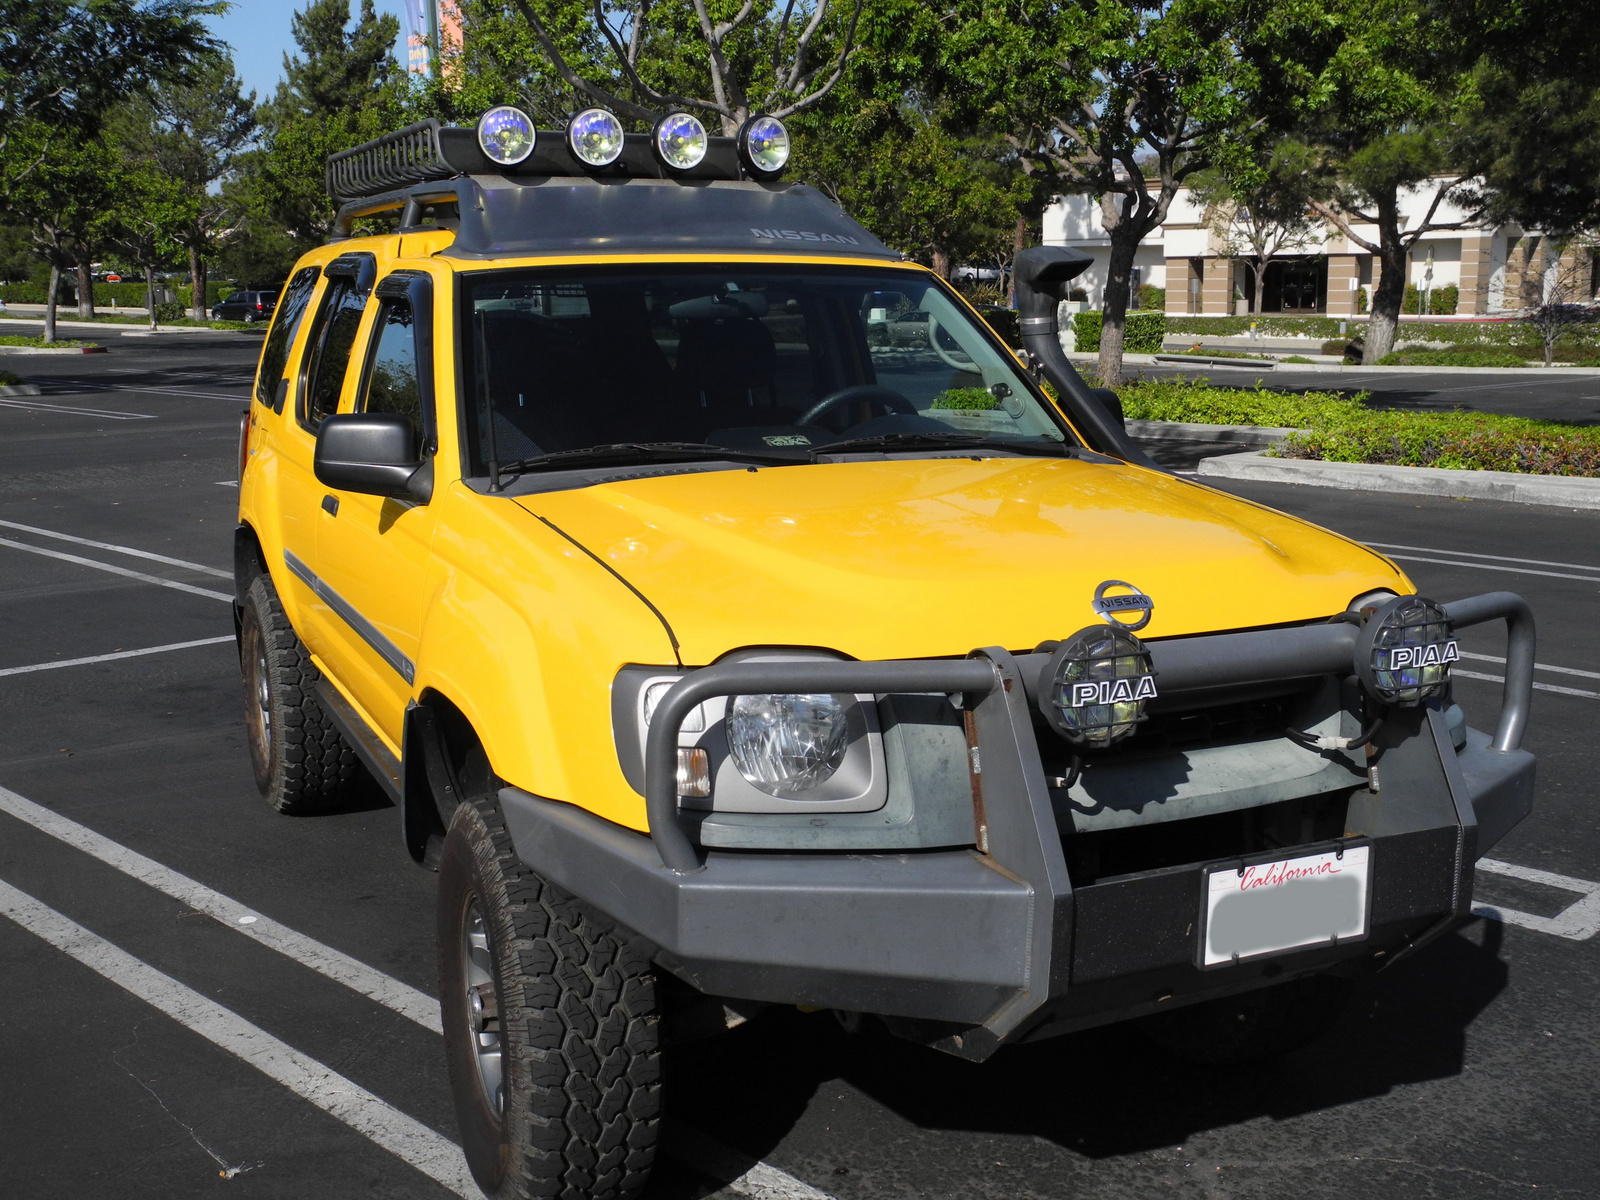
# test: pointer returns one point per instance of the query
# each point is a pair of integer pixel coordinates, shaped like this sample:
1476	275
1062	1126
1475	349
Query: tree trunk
941	262
85	292
197	282
50	304
150	294
1019	243
1114	307
1390	294
1256	286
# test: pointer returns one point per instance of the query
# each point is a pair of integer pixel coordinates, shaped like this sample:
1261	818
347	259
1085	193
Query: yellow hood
915	558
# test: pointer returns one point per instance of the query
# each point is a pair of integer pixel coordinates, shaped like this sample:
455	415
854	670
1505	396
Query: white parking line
1577	922
1538	666
116	549
750	1177
399	997
74	411
1535	562
112	657
123	571
405	1137
1450	562
1537	686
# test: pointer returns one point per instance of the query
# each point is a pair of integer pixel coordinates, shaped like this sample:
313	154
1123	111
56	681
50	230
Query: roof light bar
595	137
680	141
764	146
507	135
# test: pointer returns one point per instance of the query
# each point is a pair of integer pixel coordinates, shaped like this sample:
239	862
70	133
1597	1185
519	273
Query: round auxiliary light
1096	685
764	145
784	744
680	141
507	135
595	136
1404	651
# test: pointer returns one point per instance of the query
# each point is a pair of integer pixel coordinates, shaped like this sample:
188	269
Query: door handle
330	505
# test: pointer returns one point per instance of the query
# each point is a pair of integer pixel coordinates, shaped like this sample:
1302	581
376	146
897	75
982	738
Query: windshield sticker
786	439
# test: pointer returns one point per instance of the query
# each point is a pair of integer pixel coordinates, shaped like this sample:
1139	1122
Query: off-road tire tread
580	1028
318	768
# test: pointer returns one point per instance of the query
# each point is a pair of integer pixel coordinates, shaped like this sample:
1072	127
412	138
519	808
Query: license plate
1285	904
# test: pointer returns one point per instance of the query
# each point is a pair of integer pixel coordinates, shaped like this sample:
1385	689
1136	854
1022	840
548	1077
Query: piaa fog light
764	145
1404	651
595	137
507	135
1097	684
680	141
785	744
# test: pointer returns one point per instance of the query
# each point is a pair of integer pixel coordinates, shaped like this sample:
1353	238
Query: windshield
769	360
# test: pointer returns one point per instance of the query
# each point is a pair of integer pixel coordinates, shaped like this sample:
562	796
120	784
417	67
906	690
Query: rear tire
302	764
551	1026
1254	1025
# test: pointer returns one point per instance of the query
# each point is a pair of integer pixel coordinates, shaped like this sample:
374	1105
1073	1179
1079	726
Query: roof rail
406	156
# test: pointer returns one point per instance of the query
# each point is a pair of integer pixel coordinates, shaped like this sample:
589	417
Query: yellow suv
736	620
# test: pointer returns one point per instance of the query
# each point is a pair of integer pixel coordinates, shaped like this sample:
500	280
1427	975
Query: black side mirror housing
372	453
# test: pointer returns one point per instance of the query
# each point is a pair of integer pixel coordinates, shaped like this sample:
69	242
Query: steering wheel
888	397
969	367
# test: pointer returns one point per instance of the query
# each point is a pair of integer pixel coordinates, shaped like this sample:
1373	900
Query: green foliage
10	379
1143	334
973	399
1442	302
214	294
1006	323
1452	358
1296	358
1361	299
1341	428
10	340
1411	303
1151	298
170	310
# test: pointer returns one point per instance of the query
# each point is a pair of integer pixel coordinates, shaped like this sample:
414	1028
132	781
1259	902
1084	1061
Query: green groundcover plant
1342	428
39	341
1453	358
8	379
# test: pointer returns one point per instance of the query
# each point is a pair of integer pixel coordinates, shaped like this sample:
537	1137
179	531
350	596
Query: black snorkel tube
1041	274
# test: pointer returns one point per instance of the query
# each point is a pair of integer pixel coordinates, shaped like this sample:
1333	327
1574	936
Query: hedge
1455	333
125	295
1341	428
1152	298
1453	358
1143	333
1005	322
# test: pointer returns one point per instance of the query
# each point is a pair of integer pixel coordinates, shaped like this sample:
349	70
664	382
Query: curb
1561	491
52	349
20	389
1187	431
1260	364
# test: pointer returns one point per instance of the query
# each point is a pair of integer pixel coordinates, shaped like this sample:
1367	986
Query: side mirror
372	453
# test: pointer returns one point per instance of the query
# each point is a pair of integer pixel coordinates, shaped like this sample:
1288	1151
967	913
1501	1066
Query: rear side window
275	354
392	385
335	338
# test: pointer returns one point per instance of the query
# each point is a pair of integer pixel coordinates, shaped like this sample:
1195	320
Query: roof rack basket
406	156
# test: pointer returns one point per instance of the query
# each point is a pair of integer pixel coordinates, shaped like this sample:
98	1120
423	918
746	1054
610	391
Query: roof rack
428	152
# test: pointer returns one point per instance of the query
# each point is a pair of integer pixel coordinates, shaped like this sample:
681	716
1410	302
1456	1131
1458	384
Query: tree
192	132
751	58
64	63
150	206
1557	292
342	89
64	197
1257	210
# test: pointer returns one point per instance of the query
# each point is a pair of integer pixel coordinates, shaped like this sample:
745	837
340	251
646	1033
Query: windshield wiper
940	441
632	452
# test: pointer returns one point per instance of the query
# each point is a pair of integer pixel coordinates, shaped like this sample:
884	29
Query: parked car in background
246	306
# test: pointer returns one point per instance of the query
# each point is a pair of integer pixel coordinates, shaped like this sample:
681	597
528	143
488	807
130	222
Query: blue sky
258	33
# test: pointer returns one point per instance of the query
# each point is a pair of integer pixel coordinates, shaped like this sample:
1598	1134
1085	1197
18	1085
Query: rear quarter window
285	321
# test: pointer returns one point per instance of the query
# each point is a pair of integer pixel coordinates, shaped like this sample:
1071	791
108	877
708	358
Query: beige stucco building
1326	273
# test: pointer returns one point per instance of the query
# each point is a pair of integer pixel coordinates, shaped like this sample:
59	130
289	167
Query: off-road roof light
507	135
595	137
764	146
680	141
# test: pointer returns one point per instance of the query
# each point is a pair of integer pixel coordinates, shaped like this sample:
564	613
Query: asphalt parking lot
199	996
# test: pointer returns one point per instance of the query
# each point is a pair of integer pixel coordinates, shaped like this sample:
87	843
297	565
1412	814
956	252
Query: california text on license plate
1285	904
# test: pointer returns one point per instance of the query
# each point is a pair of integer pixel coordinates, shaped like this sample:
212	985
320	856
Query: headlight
1098	682
595	137
764	146
507	135
784	744
1404	652
680	141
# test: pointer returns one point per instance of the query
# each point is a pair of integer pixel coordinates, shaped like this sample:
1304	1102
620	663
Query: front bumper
979	948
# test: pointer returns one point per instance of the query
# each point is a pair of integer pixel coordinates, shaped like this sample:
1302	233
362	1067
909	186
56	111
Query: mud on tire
302	763
569	1001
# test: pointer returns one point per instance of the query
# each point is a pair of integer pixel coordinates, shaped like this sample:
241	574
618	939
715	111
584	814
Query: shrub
1295	358
8	340
170	310
1150	298
8	379
1341	428
1143	333
1452	358
1443	301
1006	323
122	295
1412	301
974	399
1361	300
214	293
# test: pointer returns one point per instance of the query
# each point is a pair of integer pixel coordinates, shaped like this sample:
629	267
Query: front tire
551	1026
302	764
